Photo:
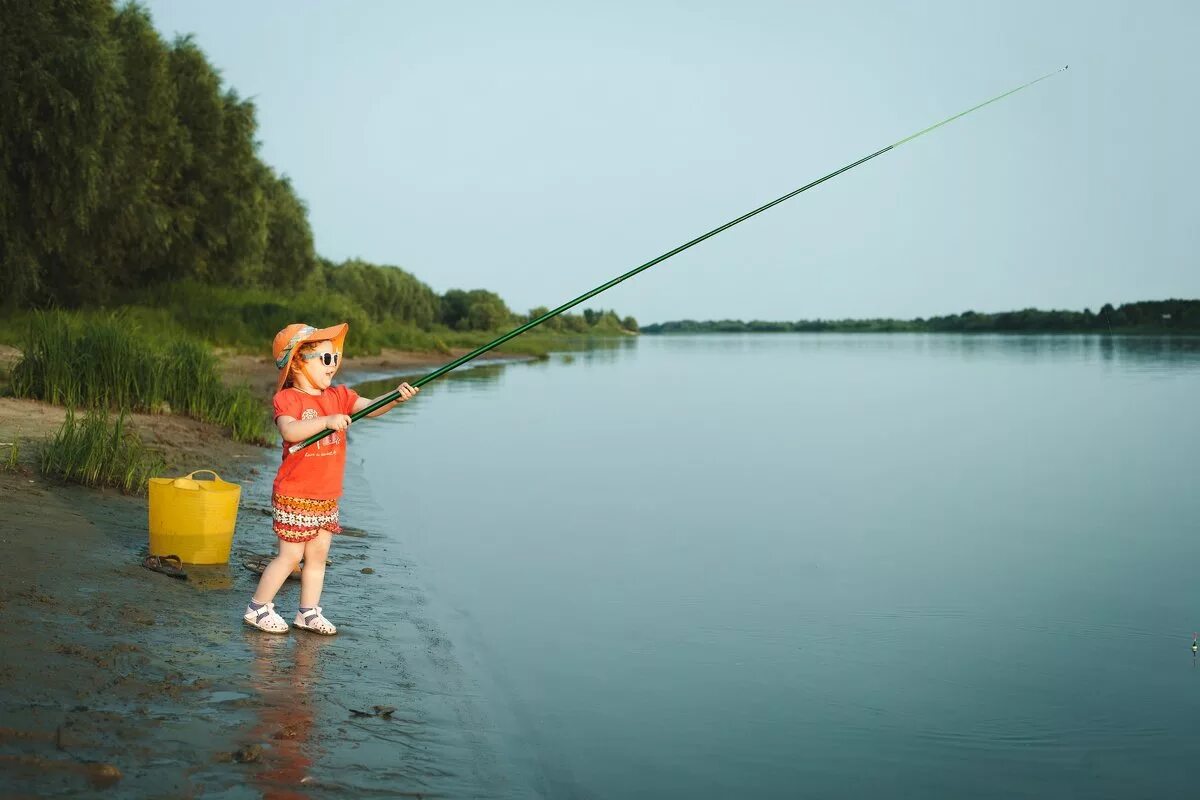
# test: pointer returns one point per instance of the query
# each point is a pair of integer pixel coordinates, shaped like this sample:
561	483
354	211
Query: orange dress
309	482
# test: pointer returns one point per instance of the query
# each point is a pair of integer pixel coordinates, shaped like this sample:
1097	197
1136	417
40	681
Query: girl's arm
297	430
406	393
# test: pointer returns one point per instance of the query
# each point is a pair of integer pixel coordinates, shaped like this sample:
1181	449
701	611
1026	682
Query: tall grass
106	361
95	452
12	462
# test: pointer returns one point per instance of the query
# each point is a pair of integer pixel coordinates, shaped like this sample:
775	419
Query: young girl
309	482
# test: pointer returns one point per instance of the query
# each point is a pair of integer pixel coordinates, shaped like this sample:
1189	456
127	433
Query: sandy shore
115	676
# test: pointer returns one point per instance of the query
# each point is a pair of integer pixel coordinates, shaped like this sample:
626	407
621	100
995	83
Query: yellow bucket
193	519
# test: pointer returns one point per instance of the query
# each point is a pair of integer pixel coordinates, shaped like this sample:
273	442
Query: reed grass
97	451
12	463
107	361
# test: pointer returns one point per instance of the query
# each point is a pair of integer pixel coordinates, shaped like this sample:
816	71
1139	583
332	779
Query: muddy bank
105	676
120	680
116	678
185	444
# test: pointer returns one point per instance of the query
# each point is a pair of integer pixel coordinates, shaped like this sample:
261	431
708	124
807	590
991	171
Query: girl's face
313	366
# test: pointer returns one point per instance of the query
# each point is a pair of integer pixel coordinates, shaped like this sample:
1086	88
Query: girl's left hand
406	392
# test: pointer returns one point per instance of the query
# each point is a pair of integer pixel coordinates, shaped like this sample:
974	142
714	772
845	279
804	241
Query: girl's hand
406	392
337	422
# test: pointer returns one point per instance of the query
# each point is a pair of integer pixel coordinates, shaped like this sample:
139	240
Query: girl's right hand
337	422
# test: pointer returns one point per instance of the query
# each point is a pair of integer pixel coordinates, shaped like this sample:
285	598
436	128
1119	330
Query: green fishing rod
458	362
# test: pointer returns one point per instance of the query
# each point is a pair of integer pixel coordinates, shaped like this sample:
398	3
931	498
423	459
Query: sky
539	149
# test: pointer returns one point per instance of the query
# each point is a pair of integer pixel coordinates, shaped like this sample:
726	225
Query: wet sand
115	677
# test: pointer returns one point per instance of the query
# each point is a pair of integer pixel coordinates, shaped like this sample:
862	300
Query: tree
59	83
486	311
289	256
553	324
135	220
197	151
235	211
477	309
386	292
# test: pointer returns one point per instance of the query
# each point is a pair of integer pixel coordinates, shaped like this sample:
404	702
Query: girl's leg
312	578
278	570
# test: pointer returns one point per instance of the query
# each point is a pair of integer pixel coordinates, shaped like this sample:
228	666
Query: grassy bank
103	365
244	320
99	451
112	362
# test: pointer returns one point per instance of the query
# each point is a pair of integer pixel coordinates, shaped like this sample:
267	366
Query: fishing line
458	362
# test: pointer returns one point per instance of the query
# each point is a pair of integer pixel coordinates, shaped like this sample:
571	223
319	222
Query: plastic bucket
193	519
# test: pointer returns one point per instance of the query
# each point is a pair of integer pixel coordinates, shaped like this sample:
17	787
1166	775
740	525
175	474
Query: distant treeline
1148	316
129	176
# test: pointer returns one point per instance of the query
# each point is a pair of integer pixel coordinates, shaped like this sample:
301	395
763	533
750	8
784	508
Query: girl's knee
318	548
291	560
290	553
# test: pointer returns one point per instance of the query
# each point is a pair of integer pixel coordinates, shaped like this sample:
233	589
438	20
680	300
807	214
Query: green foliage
290	258
96	452
399	335
591	322
135	215
130	176
59	81
385	292
1155	316
552	324
606	322
125	163
476	310
573	323
247	318
105	361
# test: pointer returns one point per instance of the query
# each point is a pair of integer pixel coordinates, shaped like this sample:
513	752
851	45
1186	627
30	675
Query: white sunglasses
328	359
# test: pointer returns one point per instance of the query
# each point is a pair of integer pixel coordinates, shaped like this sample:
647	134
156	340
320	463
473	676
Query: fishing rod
458	362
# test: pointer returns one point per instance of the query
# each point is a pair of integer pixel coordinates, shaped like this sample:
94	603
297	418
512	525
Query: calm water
780	566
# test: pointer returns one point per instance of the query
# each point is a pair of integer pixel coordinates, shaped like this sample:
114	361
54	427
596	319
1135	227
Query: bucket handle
216	477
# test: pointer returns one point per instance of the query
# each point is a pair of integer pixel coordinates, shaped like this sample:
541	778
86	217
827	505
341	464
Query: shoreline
182	440
105	678
1132	332
114	675
259	373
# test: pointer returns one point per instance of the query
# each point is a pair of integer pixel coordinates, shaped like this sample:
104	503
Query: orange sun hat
288	341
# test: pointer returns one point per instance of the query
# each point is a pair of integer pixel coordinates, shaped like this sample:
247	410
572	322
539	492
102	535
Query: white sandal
313	620
265	619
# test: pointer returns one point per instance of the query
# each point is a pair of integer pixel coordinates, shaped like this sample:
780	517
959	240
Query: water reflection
285	673
1137	352
484	373
585	350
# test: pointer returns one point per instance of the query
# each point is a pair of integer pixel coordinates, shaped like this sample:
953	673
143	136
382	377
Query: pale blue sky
540	148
